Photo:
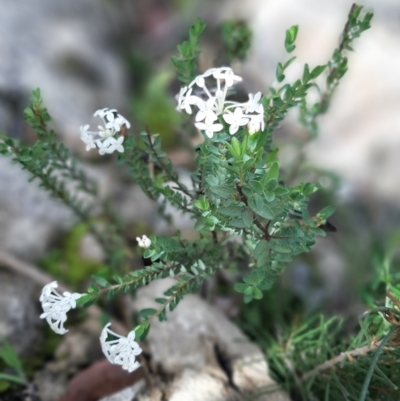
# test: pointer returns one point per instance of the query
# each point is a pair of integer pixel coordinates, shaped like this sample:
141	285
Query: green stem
374	361
164	168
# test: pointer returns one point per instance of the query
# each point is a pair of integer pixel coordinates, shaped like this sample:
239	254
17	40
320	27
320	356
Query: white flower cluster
104	139
121	351
144	242
56	306
212	103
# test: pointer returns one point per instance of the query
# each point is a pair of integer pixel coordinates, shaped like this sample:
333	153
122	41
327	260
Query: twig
257	222
340	358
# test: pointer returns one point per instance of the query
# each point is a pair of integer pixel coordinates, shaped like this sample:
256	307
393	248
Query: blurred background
90	54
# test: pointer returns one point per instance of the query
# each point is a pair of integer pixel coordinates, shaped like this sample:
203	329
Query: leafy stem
165	168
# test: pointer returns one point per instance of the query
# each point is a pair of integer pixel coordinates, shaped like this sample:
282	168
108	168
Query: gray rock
19	312
51	382
29	218
128	394
69	50
199	355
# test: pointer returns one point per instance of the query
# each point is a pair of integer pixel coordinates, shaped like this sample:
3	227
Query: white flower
212	102
102	112
104	138
121	351
253	105
116	145
256	123
205	109
208	126
87	138
228	75
144	242
180	97
235	120
105	146
56	306
112	119
189	100
200	81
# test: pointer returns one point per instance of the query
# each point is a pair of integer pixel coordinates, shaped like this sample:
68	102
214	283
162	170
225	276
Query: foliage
358	21
66	262
186	64
237	192
248	216
13	372
237	37
319	358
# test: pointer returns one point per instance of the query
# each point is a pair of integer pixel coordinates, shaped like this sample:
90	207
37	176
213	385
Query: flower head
144	242
121	351
104	139
212	102
56	306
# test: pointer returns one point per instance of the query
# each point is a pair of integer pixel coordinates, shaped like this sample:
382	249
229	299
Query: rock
51	382
19	312
127	394
29	218
79	348
199	355
68	50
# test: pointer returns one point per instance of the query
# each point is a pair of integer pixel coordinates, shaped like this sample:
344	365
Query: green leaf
101	281
238	223
198	26
235	148
257	186
240	287
269	196
271	173
212	180
258	200
146	313
290	61
161	300
247	217
202	203
12	378
317	71
142	330
261	252
265	212
279	246
290	38
306	74
280	191
257	293
280	76
326	212
232	211
223	192
86	300
271	185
